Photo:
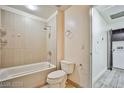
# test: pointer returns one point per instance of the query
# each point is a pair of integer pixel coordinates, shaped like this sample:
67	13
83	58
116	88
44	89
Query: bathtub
19	71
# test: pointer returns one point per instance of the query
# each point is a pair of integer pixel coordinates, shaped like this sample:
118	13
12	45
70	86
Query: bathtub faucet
49	65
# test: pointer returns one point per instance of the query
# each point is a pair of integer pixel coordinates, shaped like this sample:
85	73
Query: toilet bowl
57	79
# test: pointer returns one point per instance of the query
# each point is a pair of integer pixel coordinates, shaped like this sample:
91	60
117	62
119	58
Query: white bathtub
18	71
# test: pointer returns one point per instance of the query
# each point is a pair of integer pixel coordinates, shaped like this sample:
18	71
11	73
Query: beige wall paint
0	38
60	37
77	44
26	40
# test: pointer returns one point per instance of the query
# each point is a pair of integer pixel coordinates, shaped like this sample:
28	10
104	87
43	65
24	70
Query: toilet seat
56	74
57	77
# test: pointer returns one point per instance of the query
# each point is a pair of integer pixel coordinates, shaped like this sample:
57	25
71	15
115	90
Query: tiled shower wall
0	38
51	40
26	40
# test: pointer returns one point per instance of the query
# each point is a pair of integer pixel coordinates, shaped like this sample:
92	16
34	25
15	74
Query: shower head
44	28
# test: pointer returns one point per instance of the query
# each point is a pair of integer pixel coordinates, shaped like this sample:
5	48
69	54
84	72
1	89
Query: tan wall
0	38
77	44
26	40
0	57
60	37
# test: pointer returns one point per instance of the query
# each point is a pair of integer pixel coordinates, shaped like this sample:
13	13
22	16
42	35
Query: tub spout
49	65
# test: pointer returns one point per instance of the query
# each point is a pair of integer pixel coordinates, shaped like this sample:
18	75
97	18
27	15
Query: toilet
57	79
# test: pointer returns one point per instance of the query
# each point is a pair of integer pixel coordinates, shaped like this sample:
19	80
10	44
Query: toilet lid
56	74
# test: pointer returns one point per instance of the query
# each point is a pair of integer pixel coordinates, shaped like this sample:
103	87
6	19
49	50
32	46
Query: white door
118	54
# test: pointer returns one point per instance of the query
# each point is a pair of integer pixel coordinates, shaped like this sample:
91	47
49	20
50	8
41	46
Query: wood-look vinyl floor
68	85
111	79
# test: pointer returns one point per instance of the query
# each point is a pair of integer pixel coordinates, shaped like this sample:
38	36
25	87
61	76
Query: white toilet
57	79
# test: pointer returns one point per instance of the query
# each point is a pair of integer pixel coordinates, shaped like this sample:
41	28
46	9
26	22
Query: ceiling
107	10
43	11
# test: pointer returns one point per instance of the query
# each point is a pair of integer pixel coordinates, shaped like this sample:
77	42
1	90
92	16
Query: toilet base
61	84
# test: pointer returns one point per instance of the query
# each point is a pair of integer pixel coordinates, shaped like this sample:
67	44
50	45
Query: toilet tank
67	66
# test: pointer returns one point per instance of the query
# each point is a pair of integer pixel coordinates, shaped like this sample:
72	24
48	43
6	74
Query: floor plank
68	85
111	79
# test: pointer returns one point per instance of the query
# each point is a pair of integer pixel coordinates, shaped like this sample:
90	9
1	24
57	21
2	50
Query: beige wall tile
26	40
51	42
8	57
27	44
19	57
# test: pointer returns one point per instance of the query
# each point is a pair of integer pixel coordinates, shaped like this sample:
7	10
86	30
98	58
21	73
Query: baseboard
99	75
73	83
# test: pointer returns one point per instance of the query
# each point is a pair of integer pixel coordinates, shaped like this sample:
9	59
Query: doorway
107	47
118	48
